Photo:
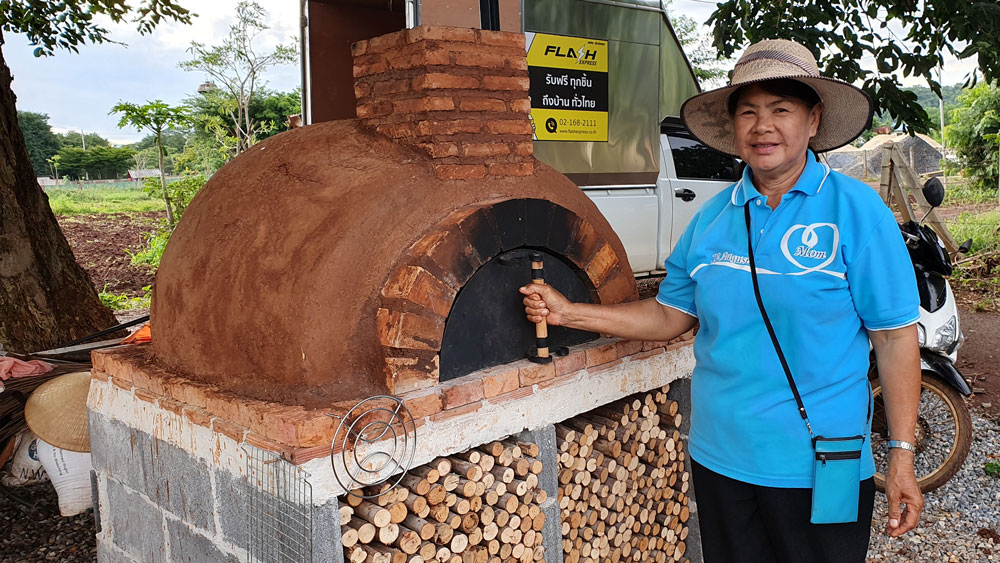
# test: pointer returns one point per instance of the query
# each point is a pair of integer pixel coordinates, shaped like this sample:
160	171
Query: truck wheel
943	432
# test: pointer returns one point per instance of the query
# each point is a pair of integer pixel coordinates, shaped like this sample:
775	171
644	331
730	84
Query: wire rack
280	518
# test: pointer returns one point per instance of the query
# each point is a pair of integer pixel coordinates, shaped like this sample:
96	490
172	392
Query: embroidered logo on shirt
814	249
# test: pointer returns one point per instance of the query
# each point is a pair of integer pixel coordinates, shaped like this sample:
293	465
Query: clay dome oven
381	255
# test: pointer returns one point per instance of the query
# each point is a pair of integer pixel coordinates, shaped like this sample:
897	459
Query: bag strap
770	329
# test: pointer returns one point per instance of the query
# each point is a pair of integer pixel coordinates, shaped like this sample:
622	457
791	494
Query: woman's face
772	131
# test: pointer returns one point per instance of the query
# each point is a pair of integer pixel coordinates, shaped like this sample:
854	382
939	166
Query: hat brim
847	112
57	412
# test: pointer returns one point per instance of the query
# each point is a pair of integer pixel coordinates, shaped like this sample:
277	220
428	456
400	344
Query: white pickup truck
650	218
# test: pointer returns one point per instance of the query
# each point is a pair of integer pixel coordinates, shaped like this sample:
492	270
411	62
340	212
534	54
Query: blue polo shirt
831	265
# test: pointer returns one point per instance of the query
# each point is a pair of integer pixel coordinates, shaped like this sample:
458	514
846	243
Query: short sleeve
880	276
677	289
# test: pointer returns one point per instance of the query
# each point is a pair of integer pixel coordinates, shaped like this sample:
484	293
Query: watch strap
902	445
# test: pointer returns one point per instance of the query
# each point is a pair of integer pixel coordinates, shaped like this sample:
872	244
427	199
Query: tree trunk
46	298
163	179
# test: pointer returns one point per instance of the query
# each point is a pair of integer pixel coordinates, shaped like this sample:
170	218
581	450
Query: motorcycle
944	427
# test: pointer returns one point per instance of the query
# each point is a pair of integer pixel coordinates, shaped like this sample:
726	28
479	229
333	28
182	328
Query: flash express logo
584	56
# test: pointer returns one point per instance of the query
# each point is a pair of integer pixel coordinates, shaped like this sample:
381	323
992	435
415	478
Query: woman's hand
901	487
541	302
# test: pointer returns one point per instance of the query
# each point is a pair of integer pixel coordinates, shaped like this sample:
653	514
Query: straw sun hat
57	411
847	111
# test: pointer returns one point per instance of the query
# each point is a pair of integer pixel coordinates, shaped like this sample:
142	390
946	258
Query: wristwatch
902	445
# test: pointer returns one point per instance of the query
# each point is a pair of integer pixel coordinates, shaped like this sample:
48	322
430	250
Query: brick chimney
459	94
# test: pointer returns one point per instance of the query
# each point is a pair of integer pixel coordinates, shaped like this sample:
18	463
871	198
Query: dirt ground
100	242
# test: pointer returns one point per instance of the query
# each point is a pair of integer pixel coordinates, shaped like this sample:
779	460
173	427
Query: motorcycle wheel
943	434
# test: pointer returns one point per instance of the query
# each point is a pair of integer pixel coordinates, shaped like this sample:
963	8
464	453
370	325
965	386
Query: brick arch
420	289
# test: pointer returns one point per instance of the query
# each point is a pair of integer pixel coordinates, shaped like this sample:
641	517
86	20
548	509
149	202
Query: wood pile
479	506
622	483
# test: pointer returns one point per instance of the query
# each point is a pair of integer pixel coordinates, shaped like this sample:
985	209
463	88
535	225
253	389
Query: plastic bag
70	475
25	466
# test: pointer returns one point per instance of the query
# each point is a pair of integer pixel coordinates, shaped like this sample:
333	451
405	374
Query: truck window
695	161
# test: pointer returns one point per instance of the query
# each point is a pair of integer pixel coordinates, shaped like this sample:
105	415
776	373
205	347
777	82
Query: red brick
460	411
230	430
423	404
383	43
509	126
532	373
413	105
430	57
448	127
679	345
459	171
263	443
443	33
409	374
558	381
618	287
482	104
515	395
435	81
171	405
602	354
144	395
396	130
96	375
647	354
484	149
198	416
391	86
524	149
521	105
409	330
573	362
518	63
512	83
440	150
628	347
459	394
370	69
362	89
512	169
122	383
602	264
604	367
502	39
480	59
419	286
500	380
359	48
374	109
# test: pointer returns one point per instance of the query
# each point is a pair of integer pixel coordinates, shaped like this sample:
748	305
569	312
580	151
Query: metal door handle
685	194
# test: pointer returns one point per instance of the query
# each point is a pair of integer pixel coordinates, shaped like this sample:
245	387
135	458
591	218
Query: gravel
31	528
961	519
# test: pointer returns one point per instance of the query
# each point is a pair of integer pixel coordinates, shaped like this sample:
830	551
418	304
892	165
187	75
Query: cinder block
232	497
136	524
548	454
168	475
108	553
326	534
188	546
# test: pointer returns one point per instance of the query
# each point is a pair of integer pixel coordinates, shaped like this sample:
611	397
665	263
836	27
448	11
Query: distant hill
929	99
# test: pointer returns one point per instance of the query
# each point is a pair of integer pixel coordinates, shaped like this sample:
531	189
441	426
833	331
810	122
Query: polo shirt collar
809	183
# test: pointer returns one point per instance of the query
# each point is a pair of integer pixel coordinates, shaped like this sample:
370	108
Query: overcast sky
77	90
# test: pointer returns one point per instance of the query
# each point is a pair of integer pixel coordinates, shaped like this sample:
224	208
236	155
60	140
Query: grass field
121	197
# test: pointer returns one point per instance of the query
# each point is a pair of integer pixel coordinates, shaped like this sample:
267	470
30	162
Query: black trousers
744	523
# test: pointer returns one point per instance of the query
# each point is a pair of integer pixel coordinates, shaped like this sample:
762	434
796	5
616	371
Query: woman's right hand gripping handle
636	320
541	302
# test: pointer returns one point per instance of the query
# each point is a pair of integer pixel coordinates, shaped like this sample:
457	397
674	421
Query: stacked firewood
622	483
479	506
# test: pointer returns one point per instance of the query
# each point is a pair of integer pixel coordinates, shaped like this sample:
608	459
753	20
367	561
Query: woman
833	274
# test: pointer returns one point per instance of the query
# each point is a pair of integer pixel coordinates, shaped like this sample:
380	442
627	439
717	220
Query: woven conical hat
57	411
847	111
